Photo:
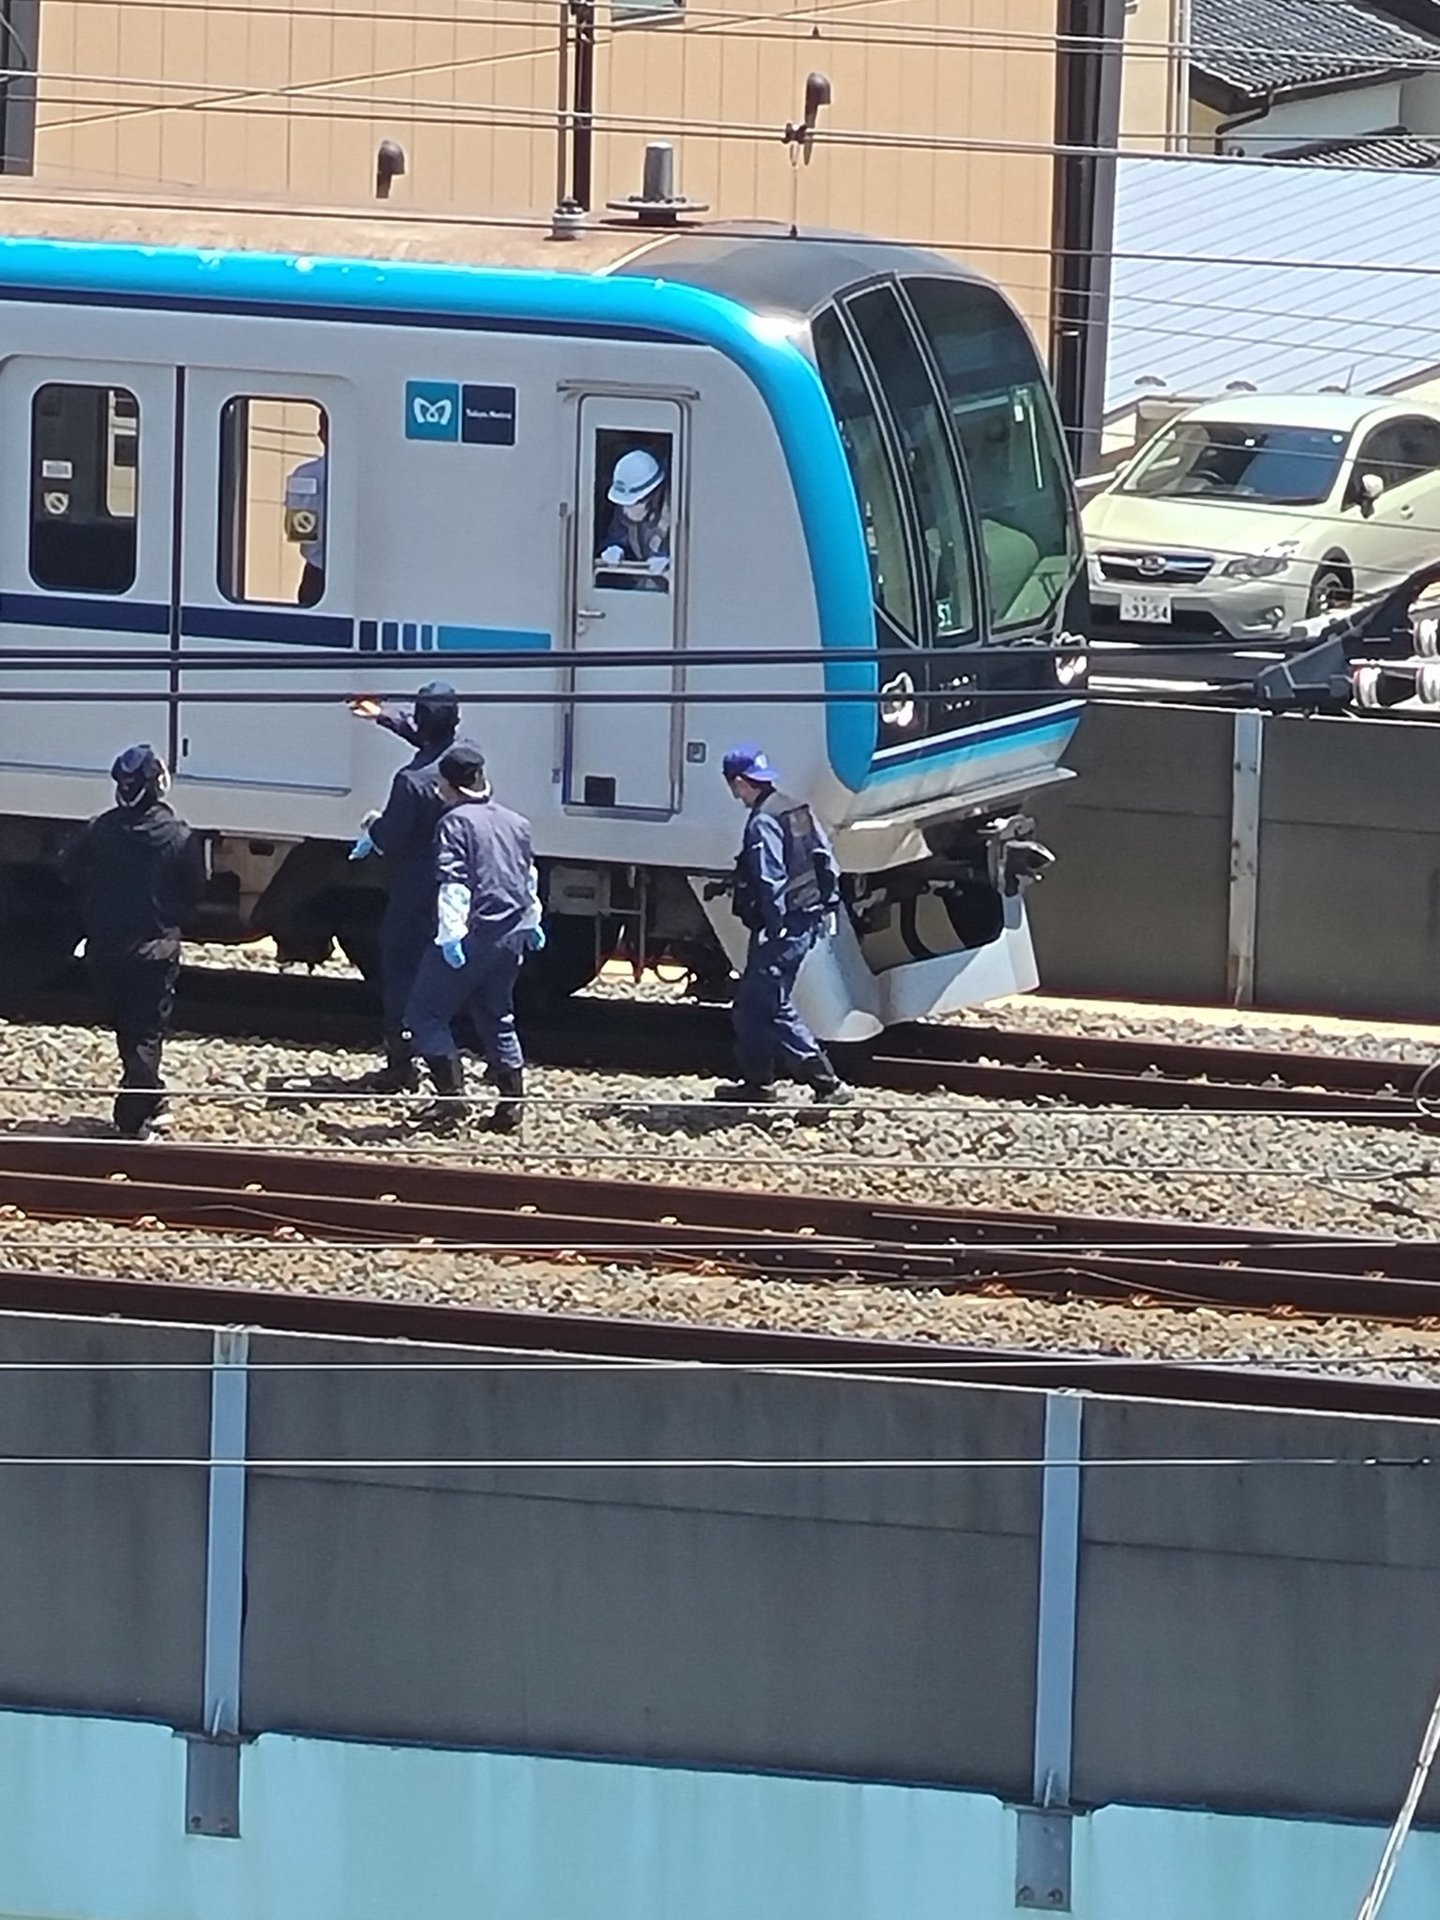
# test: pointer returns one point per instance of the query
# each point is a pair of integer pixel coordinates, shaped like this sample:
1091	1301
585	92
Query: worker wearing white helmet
638	536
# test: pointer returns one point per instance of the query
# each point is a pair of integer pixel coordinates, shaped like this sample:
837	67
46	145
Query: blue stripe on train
275	626
288	628
79	611
395	636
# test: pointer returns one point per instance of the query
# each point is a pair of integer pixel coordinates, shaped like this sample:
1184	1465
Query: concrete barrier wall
452	1549
858	1621
1347	898
102	1564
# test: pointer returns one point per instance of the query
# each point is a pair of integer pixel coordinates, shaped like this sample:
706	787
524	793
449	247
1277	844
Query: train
287	463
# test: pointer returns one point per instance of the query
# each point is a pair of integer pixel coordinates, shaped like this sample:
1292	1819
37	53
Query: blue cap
750	763
137	766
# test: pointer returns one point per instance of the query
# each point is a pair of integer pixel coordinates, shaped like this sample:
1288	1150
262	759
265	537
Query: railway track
970	1059
343	1200
527	1336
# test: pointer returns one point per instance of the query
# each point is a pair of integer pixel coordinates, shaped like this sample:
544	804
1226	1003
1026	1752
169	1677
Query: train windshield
1005	422
946	560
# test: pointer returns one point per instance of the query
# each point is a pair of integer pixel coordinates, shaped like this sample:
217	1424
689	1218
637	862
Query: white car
1246	515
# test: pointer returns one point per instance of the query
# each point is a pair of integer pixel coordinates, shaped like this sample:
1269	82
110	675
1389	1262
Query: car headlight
1260	566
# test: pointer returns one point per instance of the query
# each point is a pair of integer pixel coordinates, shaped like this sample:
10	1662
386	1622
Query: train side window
274	461
930	463
863	439
633	475
84	488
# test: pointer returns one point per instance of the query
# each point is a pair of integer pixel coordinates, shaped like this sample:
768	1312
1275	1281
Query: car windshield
1235	460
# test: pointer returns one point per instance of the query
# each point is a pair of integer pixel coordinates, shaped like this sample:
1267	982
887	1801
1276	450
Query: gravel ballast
1233	1168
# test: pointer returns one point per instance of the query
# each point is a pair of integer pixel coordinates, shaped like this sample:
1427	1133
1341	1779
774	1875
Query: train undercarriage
960	898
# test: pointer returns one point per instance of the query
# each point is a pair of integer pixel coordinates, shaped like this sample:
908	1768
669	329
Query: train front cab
972	541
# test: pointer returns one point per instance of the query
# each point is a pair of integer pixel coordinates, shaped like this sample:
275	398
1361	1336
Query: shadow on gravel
75	1126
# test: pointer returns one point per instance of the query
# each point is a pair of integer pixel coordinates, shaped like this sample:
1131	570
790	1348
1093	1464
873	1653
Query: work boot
829	1089
510	1108
450	1108
398	1075
745	1093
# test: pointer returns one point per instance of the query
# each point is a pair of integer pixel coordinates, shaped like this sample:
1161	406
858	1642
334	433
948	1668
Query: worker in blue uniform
487	918
404	835
138	872
786	886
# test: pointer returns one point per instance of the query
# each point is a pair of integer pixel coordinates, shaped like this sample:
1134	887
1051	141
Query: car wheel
1328	590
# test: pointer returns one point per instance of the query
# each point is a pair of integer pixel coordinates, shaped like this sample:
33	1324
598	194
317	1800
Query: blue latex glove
534	939
454	952
363	847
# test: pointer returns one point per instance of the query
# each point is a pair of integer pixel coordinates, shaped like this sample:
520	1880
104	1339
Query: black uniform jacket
138	873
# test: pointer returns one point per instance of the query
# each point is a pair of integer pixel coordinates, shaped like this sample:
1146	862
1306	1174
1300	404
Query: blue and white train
245	464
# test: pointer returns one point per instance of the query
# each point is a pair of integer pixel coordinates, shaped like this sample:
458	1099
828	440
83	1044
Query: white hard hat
636	474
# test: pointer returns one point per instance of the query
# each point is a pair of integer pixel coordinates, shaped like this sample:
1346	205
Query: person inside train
786	886
404	835
305	518
638	534
138	873
487	918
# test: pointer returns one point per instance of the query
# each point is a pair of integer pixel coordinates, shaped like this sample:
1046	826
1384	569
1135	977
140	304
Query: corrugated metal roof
1258	46
1291	278
1395	151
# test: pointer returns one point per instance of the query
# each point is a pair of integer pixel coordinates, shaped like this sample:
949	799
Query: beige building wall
1204	121
289	99
1154	109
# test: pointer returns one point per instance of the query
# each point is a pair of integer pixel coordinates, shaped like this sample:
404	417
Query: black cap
464	767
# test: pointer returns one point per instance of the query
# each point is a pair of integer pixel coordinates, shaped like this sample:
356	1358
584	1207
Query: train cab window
1010	440
863	439
274	459
934	478
633	473
84	484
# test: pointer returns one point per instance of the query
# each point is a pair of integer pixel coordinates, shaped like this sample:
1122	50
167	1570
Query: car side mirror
1367	489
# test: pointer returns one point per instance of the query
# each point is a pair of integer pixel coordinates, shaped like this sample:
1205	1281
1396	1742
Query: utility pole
1090	53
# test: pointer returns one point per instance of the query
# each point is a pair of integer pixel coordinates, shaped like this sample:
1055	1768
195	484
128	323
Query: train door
267	565
86	557
626	596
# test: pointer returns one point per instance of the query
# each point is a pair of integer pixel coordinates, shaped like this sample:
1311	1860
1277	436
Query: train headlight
1427	684
1426	628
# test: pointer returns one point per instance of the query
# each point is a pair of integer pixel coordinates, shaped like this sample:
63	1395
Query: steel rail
964	1060
285	1196
532	1336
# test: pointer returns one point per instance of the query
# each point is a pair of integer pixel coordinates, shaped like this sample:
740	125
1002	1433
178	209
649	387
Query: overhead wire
562	1463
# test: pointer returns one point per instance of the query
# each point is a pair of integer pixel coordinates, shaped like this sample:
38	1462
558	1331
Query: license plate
1149	609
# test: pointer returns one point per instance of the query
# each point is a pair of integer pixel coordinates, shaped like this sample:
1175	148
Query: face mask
637	511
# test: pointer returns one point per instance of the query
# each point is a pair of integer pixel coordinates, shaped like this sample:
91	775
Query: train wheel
570	960
355	921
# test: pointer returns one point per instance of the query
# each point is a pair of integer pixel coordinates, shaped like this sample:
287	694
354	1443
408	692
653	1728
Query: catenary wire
710	1462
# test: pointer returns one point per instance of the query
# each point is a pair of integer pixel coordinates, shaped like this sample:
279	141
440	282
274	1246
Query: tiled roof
1395	152
1218	279
1257	47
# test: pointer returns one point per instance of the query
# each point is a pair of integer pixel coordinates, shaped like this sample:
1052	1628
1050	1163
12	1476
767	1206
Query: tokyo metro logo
432	410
